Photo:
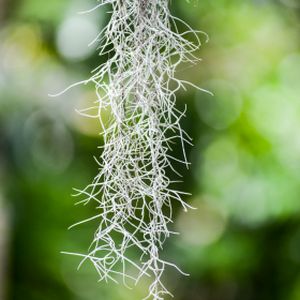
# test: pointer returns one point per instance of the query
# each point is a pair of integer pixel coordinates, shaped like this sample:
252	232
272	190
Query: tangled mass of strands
132	192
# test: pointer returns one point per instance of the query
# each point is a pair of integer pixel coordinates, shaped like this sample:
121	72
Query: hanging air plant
134	196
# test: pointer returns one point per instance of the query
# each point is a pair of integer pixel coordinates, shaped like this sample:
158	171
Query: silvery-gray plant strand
133	194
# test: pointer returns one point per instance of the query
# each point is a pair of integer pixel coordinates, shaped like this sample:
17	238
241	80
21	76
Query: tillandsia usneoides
137	84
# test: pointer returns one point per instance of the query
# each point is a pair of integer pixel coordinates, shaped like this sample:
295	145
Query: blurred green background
243	242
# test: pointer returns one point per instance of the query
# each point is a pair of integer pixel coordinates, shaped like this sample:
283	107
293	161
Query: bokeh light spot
73	36
221	110
202	226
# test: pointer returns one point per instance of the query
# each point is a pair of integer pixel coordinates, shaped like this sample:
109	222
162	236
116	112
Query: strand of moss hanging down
133	194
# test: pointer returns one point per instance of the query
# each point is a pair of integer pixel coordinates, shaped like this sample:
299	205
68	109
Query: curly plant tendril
132	191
